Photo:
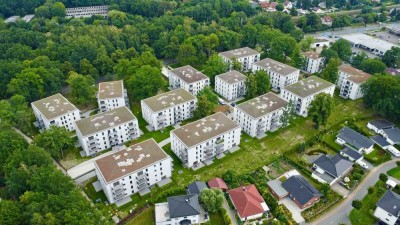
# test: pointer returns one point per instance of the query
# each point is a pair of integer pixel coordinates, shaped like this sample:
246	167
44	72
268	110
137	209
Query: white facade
314	62
350	81
168	108
188	78
204	139
55	110
303	93
105	130
112	95
280	74
163	218
230	85
384	216
133	169
260	114
245	56
84	12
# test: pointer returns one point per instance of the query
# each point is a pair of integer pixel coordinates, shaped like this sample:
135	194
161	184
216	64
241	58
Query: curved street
340	214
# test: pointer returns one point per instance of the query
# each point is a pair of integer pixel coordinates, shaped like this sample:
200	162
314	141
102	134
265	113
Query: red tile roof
217	183
247	200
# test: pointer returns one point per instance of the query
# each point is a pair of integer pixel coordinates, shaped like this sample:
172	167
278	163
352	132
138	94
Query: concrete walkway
340	214
164	142
230	212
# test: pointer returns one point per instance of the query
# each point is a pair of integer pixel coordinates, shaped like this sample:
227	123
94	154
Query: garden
395	172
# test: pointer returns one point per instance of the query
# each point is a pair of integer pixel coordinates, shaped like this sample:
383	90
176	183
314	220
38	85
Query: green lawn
395	172
364	214
145	218
216	219
377	156
253	153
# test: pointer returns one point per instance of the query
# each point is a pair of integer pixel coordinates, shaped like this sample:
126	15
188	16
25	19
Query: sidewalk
230	212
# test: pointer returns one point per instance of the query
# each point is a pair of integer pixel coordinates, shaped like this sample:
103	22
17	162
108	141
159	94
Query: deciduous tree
55	140
83	88
392	57
146	82
373	66
215	65
320	109
343	49
331	70
212	199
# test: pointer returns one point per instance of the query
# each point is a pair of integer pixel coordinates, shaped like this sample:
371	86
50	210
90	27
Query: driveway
340	214
231	213
294	209
336	187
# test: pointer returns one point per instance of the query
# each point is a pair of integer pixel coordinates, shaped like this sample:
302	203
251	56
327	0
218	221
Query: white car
221	102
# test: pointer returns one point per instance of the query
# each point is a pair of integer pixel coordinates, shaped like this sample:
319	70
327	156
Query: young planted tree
321	108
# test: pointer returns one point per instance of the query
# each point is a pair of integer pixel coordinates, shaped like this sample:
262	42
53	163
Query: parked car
221	101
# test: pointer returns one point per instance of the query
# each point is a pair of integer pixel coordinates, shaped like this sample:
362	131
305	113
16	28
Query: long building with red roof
217	183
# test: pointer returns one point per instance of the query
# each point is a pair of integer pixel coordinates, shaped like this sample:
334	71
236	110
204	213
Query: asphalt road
340	214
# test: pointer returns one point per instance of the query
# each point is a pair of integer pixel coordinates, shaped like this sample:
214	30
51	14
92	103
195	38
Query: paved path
230	212
340	214
164	142
28	139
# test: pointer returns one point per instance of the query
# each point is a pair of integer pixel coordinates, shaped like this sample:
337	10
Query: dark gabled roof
390	202
196	187
334	165
393	134
183	205
381	124
352	153
300	189
354	138
381	141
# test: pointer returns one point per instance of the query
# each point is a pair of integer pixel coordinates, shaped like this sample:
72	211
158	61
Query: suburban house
217	183
353	138
245	56
392	135
85	12
301	191
248	202
133	170
112	95
351	154
379	125
188	78
288	4
107	129
260	114
303	92
196	187
388	208
55	110
179	210
381	141
327	20
168	108
328	169
350	81
205	139
230	85
319	43
314	62
280	74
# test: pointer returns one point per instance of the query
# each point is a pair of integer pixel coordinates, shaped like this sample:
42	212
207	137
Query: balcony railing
142	186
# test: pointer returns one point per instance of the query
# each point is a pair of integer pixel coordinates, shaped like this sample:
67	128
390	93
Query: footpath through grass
364	215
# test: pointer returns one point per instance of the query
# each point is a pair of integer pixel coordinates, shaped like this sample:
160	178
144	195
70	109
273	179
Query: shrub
383	177
356	204
371	190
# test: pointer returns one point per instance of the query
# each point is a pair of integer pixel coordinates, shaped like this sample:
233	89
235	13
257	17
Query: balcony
119	186
120	196
140	176
274	118
118	192
183	155
143	186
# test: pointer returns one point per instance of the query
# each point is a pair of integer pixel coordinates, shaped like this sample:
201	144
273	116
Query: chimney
244	188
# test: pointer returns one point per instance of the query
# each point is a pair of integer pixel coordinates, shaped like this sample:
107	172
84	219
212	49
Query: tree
282	47
263	84
321	108
280	7
380	93
373	66
331	71
392	57
356	204
358	59
251	86
206	103
343	49
383	177
10	212
298	58
288	114
86	68
28	84
212	199
58	9
145	82
47	180
83	88
187	55
328	53
55	140
215	65
293	12
236	65
305	44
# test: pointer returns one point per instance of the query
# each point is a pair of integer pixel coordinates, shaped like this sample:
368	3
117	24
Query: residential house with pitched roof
248	202
217	183
388	208
328	169
379	125
392	135
301	191
353	138
196	187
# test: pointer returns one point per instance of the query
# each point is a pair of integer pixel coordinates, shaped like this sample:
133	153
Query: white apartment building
84	12
245	56
230	85
350	80
112	95
133	169
106	129
280	74
314	62
204	139
261	114
303	92
188	78
55	110
168	108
